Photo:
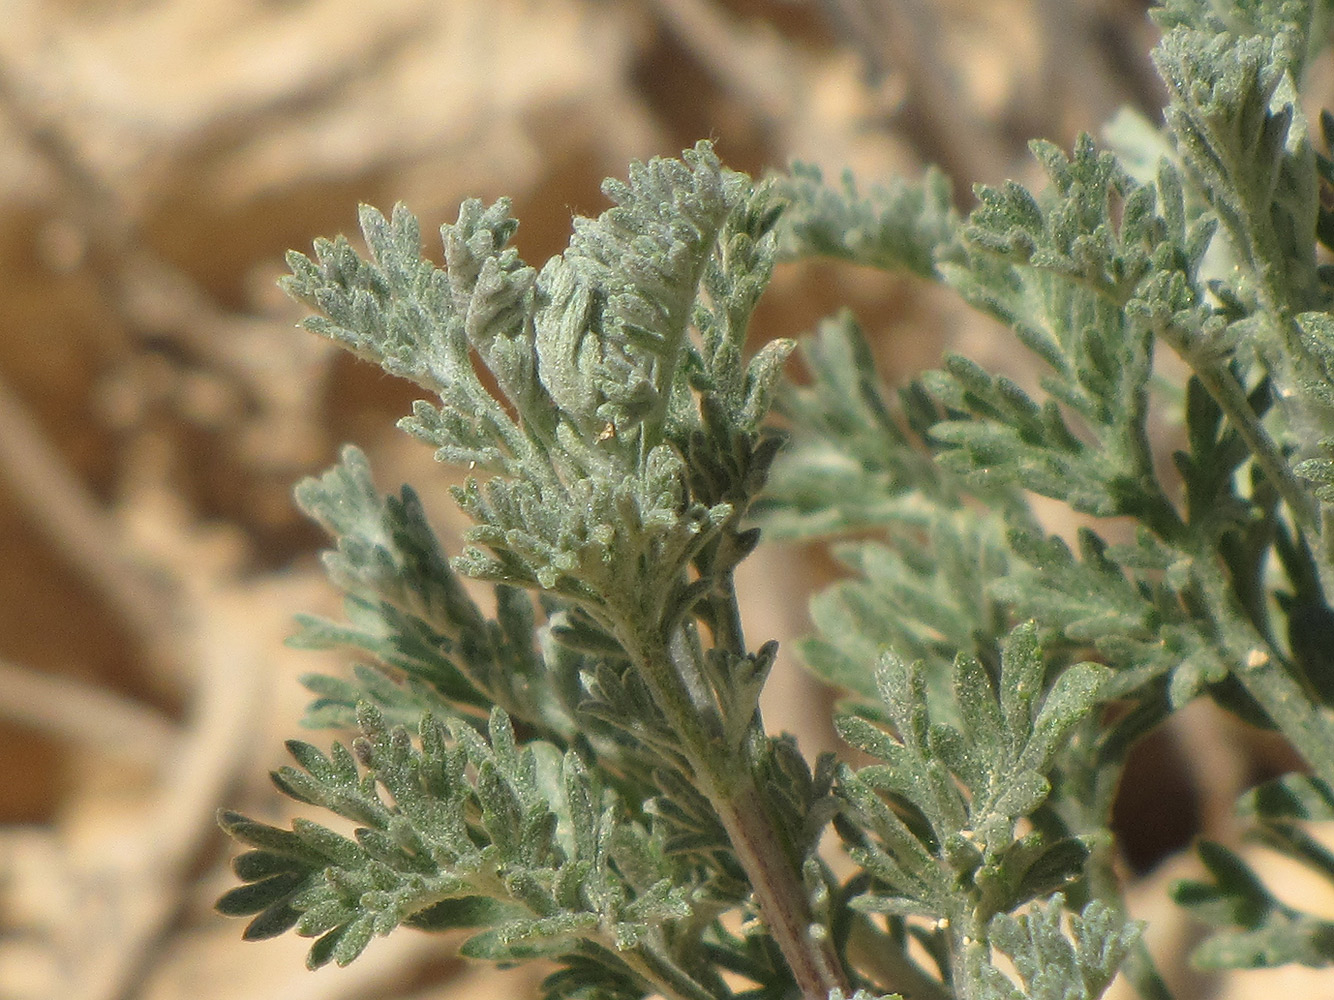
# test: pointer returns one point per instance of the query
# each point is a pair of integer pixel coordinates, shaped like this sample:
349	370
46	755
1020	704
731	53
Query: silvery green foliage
1052	964
406	608
933	823
588	496
925	597
897	226
532	777
585	777
1221	588
459	830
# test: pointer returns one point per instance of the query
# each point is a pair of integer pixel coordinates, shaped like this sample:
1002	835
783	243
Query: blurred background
157	157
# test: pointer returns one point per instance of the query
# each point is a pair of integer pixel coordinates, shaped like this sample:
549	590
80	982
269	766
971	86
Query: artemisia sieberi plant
586	777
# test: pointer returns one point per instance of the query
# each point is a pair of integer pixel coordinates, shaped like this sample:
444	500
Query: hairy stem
1307	727
779	890
747	817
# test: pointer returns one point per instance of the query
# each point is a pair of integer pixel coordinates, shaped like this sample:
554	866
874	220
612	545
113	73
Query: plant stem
727	626
1298	716
747	818
969	951
779	890
1310	730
